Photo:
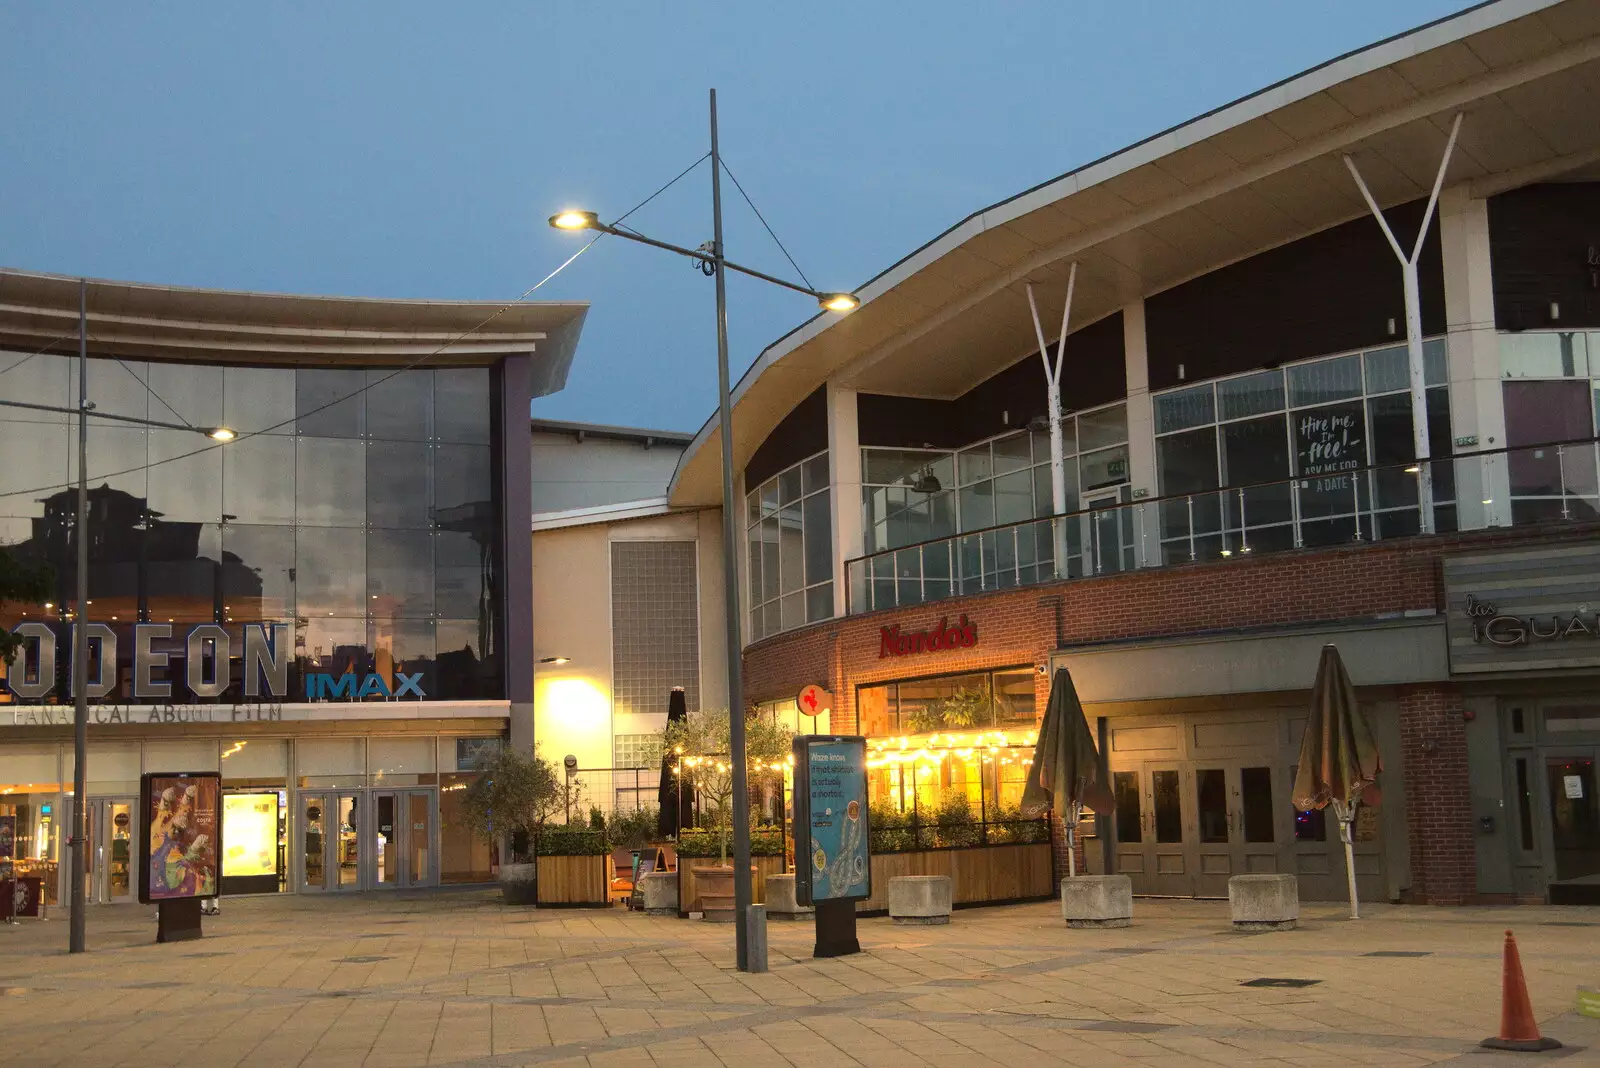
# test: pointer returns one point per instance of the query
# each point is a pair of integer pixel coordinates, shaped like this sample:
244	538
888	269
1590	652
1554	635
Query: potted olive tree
701	742
512	797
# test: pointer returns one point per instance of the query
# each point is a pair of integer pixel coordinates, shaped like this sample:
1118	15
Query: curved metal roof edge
1509	10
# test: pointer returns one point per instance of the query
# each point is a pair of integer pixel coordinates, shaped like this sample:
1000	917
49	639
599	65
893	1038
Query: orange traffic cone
1519	1031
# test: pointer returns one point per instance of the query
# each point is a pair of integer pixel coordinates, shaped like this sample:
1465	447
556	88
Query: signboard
833	858
814	700
182	811
1523	609
944	638
1572	787
250	827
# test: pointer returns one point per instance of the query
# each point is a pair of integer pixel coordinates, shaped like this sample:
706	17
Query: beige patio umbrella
1065	775
1339	760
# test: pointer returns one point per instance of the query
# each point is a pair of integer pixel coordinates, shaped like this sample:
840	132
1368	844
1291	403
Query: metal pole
742	890
80	666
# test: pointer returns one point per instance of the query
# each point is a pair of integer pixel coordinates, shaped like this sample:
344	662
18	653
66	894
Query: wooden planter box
689	896
979	875
574	882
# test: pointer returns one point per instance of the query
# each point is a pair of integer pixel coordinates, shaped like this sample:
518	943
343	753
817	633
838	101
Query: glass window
400	573
462	579
330	573
258	399
398	481
1167	805
180	393
461	483
1187	462
1250	395
1255	798
400	405
461	405
1321	381
1544	354
1014	453
330	482
1211	803
185	476
1388	369
817	523
258	572
1330	439
1102	427
329	403
1130	823
1108	467
1255	450
1184	408
975	465
258	479
951	703
876	711
1014	699
815	473
789	547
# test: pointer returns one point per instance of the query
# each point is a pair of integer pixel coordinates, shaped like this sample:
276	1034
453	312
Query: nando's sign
207	655
946	637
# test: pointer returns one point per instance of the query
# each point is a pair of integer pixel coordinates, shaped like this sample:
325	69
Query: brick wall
1433	744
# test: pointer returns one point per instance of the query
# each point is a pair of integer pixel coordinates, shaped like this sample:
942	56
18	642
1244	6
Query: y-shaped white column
1052	377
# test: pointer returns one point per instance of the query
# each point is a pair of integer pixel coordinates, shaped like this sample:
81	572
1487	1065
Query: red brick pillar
1433	744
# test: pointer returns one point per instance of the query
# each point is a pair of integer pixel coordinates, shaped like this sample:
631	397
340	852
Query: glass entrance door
1574	817
1150	830
110	855
330	857
402	845
1236	825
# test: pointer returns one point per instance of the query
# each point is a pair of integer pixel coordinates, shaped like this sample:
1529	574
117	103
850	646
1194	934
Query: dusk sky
415	150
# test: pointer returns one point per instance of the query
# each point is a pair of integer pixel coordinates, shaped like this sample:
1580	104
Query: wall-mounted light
1392	329
556	660
1555	312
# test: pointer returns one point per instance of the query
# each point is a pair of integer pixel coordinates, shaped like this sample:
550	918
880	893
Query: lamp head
838	302
221	433
575	220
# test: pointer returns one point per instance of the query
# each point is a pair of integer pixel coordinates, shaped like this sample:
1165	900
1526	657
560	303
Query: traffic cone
1519	1031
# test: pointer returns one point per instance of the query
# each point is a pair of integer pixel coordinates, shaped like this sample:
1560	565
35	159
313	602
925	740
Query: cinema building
1245	478
331	609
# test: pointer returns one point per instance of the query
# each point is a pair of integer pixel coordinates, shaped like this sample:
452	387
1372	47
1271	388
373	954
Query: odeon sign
268	650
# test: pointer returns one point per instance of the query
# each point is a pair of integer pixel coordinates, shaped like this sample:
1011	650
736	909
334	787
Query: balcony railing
1533	485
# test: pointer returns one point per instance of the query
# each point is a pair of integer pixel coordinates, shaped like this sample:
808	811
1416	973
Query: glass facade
1003	480
358	508
789	540
1551	388
1318	420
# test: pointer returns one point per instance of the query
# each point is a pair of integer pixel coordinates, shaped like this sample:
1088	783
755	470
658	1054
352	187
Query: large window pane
185	476
403	645
1325	380
1184	408
256	398
330	482
461	481
398	484
41	378
977	506
462	580
118	458
1251	395
1015	703
1108	467
330	572
39	456
400	573
975	465
1187	462
1544	354
1388	369
183	571
1255	450
466	664
258	479
400	406
257	564
791	548
461	404
819	538
182	393
329	403
1013	453
1330	439
1106	426
1013	497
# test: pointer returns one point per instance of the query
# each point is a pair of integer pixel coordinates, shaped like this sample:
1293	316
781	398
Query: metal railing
1532	485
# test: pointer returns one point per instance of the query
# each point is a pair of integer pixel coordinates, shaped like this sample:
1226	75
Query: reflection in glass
399	406
397	484
461	477
348	845
186	393
461	404
258	479
256	398
1130	825
1255	797
1211	798
313	819
257	564
330	572
328	403
1168	806
185	476
330	482
400	573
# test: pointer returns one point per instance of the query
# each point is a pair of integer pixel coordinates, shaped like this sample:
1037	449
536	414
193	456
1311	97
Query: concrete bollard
755	932
1264	902
660	892
781	903
1097	901
920	899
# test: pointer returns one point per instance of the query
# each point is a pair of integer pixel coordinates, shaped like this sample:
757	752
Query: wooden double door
1201	798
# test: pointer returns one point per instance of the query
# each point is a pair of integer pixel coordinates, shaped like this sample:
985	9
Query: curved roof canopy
153	322
1249	176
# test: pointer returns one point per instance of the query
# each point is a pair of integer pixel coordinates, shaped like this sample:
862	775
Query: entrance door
110	855
401	850
1108	540
330	857
1150	830
1574	823
1236	831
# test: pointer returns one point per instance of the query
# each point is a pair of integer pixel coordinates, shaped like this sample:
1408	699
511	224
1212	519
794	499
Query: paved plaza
456	978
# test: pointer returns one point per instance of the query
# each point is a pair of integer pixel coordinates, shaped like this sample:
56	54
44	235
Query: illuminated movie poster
183	814
833	858
251	822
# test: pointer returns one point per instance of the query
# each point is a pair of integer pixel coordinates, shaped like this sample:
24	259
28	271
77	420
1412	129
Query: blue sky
415	149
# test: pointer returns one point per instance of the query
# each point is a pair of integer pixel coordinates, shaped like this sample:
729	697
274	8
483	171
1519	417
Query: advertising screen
250	827
183	813
832	856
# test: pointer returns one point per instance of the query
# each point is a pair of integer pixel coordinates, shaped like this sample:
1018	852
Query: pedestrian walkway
458	979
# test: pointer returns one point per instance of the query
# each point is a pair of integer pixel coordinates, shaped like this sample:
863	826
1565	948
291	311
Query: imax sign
207	656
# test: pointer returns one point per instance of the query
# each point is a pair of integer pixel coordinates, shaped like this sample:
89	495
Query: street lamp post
836	302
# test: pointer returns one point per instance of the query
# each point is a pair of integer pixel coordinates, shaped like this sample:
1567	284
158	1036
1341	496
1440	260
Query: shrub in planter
571	840
891	829
764	842
957	827
511	798
632	829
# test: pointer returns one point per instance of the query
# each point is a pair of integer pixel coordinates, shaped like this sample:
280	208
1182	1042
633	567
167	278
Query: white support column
1477	404
844	484
1141	433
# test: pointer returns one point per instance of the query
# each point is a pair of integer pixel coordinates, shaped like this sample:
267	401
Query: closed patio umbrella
1339	760
674	805
1065	775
